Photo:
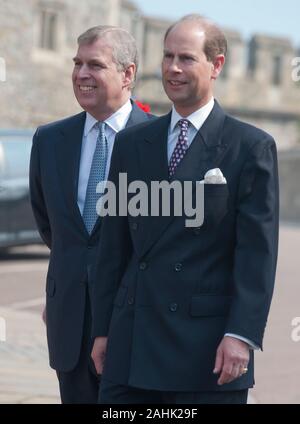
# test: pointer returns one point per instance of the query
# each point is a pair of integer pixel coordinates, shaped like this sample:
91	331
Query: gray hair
124	48
215	40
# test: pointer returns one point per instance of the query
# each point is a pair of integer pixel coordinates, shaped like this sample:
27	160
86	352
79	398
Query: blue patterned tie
180	148
97	174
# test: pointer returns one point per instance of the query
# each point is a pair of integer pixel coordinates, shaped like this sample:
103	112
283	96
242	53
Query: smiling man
69	158
180	311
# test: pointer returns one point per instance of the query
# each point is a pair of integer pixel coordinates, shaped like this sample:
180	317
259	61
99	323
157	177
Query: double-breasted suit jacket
165	294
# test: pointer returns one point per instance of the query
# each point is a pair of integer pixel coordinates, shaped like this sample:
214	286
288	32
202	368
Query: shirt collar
116	121
90	121
197	118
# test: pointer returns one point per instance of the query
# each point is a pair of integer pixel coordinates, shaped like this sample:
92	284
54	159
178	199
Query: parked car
17	225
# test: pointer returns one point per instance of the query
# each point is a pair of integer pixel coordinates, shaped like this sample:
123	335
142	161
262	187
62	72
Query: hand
98	353
44	316
232	357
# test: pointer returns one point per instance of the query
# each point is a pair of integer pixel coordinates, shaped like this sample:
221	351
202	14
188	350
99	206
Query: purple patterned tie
180	148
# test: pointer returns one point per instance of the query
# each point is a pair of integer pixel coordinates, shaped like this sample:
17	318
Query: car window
14	157
1	162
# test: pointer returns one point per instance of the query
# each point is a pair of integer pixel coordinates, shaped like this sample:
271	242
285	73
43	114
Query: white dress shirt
196	120
114	124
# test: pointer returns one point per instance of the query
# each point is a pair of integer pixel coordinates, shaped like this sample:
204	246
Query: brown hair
215	40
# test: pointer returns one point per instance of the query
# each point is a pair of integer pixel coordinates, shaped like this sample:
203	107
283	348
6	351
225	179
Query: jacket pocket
216	190
210	305
215	204
50	287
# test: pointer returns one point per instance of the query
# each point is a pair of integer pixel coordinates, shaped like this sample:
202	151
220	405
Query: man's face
98	85
187	74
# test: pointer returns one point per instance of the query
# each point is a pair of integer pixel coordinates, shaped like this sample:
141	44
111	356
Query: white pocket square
214	176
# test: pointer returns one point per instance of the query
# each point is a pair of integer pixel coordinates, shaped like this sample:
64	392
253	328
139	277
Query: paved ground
278	367
25	376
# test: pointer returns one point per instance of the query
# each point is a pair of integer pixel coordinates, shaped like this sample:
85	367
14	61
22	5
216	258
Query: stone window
277	70
48	29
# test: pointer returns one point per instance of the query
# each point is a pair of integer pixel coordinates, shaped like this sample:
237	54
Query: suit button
178	267
134	226
173	307
130	301
90	246
143	266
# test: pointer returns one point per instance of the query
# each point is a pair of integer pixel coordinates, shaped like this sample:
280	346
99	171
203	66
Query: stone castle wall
38	87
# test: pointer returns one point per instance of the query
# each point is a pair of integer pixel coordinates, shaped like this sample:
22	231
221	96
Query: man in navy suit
179	311
68	158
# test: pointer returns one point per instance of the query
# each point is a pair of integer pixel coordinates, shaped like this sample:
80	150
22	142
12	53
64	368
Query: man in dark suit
179	311
68	159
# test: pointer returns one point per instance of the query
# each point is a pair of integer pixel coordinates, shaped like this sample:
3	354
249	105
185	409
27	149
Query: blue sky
273	17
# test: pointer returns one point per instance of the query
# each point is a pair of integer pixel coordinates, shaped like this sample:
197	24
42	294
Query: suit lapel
153	154
137	116
206	152
153	162
68	152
